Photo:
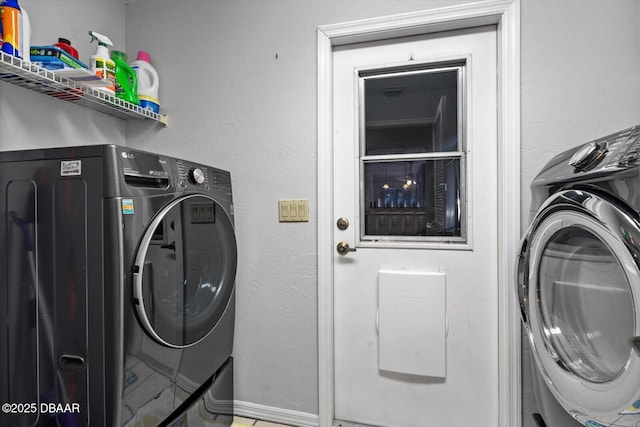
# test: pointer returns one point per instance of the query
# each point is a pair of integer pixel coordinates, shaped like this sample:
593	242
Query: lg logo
126	155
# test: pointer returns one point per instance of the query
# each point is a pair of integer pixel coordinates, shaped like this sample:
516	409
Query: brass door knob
343	248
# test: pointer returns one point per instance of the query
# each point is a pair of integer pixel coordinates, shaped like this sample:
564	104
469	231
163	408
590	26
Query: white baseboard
276	415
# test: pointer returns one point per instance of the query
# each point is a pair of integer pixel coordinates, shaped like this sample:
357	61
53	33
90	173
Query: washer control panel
625	148
194	176
618	150
190	175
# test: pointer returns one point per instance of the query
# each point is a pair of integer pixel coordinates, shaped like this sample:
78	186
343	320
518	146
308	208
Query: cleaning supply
11	17
54	58
25	36
126	79
148	81
101	64
65	45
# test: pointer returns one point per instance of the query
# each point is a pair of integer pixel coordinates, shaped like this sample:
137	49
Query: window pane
586	305
411	112
413	198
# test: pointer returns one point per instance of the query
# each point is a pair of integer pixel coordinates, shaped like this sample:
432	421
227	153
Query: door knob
343	248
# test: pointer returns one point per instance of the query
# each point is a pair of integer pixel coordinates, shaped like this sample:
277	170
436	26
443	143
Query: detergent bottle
11	18
25	37
1	39
126	79
101	64
65	45
148	81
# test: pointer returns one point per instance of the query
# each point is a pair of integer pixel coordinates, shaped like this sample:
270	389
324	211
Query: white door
415	194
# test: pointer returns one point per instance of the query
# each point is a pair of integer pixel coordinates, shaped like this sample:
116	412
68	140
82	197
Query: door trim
506	15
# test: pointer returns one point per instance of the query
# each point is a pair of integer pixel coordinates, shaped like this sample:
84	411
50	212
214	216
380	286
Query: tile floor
248	422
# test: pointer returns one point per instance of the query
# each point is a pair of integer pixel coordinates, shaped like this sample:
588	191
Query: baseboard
276	415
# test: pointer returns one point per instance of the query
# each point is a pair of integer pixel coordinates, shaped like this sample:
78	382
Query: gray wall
579	76
232	103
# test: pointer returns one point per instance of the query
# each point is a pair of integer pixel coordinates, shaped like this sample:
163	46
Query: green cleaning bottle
126	79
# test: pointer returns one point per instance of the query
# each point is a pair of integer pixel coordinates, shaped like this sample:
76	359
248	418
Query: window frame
463	241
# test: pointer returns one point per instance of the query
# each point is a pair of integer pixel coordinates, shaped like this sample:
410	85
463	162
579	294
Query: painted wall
578	76
238	81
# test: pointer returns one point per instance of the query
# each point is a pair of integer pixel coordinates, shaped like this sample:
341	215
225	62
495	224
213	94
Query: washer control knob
196	176
586	155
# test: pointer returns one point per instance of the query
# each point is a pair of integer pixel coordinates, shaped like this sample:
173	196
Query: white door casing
506	15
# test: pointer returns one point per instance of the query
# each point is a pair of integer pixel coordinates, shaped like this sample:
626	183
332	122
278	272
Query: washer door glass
186	268
586	305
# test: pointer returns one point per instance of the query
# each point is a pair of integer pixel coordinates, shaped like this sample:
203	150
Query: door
185	271
578	280
415	211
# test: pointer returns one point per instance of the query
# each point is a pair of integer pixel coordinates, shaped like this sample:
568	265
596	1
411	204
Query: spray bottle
101	64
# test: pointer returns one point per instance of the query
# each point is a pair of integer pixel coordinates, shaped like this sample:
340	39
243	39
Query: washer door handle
522	280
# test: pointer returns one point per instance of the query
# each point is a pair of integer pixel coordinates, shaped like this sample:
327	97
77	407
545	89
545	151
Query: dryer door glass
186	271
586	305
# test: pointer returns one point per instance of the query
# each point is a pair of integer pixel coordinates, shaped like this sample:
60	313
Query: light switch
284	211
293	210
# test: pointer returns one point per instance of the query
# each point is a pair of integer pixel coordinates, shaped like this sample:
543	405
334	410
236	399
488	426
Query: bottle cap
119	55
11	3
63	40
144	56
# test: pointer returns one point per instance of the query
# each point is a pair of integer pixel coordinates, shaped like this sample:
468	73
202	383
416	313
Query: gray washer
578	284
117	288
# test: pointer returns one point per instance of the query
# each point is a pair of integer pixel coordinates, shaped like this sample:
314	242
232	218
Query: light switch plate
293	210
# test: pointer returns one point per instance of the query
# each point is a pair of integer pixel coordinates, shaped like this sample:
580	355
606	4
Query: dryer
578	282
117	289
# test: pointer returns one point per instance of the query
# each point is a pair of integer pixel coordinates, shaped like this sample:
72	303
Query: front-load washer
578	282
116	289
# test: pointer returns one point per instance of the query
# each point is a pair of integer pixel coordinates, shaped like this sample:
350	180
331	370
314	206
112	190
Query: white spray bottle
101	63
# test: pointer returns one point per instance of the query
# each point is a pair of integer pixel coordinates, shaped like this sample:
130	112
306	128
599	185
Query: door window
187	265
586	305
412	157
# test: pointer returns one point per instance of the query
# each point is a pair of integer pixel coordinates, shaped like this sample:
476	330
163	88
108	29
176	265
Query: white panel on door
412	322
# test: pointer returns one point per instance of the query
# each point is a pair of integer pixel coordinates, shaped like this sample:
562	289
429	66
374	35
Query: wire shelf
19	73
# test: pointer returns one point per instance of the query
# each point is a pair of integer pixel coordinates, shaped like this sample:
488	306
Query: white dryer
578	282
